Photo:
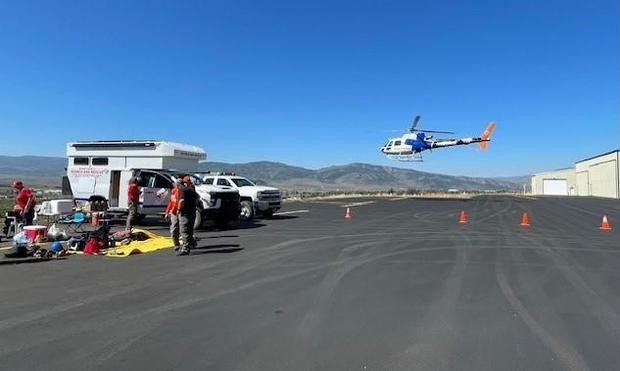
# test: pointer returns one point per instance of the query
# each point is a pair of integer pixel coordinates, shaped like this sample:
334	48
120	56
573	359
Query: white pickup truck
254	199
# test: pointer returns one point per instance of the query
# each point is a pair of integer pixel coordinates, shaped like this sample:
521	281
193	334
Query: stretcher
148	242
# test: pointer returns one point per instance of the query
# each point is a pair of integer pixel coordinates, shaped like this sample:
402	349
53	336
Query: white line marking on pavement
359	204
292	212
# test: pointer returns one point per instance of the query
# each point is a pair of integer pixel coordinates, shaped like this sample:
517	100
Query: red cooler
34	231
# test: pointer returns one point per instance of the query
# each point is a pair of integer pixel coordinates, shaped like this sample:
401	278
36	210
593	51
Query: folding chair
74	222
14	226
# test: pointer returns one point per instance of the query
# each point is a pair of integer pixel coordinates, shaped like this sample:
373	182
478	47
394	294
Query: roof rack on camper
135	148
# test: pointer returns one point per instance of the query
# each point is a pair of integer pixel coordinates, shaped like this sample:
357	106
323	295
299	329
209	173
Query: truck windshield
242	182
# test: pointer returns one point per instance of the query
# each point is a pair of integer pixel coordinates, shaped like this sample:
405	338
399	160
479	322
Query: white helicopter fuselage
410	145
398	146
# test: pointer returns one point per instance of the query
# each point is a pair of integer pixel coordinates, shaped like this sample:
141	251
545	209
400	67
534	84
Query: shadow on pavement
216	249
218	246
283	217
247	225
11	261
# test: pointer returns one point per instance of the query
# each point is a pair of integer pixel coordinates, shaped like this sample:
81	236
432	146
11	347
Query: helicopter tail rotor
485	137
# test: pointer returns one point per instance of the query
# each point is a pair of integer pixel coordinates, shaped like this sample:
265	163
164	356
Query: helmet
56	246
17	183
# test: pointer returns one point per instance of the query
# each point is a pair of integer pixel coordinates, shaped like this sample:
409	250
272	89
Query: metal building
599	175
561	182
595	176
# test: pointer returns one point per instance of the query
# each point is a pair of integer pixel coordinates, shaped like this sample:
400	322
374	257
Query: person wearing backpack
188	199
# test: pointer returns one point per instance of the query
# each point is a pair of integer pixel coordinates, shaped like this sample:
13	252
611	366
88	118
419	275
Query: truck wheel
268	214
247	211
198	220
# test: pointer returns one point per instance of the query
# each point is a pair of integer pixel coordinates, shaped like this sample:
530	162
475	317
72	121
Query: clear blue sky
315	83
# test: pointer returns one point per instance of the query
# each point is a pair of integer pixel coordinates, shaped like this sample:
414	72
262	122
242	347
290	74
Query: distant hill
356	176
359	176
37	171
32	166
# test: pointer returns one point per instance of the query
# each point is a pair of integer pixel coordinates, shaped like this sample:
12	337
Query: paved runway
399	286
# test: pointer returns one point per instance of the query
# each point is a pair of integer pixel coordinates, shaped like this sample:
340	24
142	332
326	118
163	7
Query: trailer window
100	161
80	161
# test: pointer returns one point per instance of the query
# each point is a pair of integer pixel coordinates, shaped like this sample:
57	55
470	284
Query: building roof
554	171
597	156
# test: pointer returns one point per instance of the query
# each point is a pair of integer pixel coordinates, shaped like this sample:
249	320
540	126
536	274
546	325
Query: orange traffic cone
463	217
347	214
525	220
605	224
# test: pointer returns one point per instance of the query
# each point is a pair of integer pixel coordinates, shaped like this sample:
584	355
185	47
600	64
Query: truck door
155	191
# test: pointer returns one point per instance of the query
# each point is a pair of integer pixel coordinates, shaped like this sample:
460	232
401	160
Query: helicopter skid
406	158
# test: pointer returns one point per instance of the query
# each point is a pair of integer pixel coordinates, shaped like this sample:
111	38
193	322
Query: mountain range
356	176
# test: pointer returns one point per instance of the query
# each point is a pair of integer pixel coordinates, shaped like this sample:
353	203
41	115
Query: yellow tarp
152	243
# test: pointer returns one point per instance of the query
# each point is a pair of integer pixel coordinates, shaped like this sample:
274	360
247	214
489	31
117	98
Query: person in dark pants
133	197
188	199
172	213
23	212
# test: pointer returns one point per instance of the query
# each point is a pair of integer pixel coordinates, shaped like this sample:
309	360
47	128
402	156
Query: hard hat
56	246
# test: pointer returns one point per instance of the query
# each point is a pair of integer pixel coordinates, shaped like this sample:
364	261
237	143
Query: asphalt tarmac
399	286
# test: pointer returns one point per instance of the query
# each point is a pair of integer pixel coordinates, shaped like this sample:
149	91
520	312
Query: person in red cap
24	207
133	197
24	202
172	213
186	209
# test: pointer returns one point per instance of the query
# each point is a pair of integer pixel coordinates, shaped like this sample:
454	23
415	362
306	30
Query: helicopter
411	144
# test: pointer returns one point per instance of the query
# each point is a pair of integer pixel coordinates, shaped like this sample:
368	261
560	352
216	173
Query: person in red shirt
172	213
24	202
133	197
23	212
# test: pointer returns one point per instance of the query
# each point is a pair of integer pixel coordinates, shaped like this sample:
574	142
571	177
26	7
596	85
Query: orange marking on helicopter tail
486	135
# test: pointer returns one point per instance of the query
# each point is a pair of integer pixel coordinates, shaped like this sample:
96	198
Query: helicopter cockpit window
397	143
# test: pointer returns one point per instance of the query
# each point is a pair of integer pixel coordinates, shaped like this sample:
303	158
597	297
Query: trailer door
115	187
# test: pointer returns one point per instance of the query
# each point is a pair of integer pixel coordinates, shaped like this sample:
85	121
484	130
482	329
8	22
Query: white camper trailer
102	169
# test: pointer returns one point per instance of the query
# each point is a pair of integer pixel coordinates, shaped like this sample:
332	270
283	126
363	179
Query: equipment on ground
411	144
140	242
